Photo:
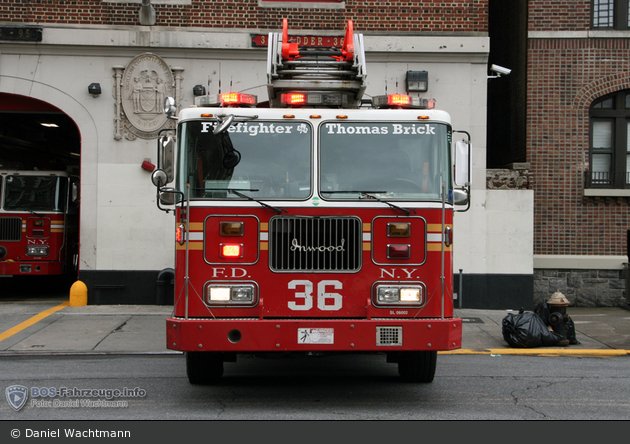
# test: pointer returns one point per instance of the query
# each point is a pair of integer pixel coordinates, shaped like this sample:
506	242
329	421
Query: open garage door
37	135
40	148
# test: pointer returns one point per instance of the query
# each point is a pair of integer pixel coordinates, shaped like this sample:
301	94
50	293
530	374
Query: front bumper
13	268
295	335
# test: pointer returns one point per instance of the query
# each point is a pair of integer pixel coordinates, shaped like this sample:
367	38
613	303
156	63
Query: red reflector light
232	250
294	99
179	234
398	99
398	251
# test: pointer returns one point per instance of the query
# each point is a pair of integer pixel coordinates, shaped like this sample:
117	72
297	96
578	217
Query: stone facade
583	288
517	177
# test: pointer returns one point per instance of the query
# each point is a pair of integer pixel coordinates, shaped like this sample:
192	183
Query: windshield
35	193
388	160
257	159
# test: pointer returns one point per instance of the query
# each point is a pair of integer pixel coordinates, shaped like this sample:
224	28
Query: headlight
222	294
399	295
38	251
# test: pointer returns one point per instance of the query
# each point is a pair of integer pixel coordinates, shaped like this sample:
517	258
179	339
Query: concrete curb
538	352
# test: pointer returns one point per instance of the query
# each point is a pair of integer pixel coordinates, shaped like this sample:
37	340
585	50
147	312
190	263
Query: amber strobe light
398	229
231	228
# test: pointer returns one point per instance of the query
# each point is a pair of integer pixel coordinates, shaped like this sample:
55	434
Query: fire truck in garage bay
38	222
317	223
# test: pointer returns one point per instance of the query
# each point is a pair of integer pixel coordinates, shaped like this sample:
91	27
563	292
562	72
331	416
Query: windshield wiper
370	195
245	196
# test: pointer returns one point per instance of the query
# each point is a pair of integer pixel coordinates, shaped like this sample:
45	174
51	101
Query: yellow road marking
538	352
38	317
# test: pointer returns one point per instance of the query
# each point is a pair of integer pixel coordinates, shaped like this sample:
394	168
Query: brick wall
370	15
559	15
564	77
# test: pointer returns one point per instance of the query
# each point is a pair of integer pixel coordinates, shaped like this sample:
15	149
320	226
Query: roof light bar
402	101
227	99
293	99
237	99
313	99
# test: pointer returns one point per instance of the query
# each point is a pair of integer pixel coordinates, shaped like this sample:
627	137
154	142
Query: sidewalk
601	331
121	329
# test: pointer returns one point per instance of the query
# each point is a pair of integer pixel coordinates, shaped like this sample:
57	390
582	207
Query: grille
388	335
10	228
315	243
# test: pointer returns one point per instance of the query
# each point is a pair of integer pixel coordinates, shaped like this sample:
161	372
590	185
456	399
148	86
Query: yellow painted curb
38	317
78	294
538	352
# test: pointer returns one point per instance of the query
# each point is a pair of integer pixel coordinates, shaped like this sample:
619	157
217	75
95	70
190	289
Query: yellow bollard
78	294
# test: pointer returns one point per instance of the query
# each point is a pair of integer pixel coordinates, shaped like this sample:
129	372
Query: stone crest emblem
140	90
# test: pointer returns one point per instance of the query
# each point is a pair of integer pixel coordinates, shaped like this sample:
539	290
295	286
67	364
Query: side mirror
224	124
167	198
74	197
460	197
463	163
463	172
170	108
166	153
159	178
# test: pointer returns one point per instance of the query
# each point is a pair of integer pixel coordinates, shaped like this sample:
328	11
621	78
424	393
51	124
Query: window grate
315	243
10	228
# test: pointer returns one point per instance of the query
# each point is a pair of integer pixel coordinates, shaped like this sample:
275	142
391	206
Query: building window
303	4
610	14
610	142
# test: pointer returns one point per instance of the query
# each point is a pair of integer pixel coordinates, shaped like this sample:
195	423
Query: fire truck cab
38	222
316	223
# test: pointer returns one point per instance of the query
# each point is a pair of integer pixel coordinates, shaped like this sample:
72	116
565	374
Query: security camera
500	70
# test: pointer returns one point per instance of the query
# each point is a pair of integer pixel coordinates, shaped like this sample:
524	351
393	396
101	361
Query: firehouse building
82	85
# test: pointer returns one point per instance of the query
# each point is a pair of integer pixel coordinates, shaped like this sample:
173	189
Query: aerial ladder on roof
329	71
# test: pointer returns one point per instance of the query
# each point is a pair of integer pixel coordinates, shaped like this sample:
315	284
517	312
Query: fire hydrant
558	318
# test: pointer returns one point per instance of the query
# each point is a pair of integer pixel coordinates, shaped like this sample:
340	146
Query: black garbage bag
527	330
544	311
571	332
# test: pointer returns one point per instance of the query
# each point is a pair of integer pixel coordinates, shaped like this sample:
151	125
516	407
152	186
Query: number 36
325	301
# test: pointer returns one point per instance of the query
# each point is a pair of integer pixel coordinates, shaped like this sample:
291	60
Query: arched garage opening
37	135
40	148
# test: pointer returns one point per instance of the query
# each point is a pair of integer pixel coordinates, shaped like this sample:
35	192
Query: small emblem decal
16	396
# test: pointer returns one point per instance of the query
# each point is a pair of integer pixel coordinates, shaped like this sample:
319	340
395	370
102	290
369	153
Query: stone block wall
517	177
583	288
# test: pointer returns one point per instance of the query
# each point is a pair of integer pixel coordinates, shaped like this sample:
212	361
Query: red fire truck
38	222
315	223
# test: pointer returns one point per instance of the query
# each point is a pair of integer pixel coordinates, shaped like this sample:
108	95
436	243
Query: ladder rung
306	71
315	62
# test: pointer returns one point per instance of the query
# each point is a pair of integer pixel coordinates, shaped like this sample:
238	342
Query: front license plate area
316	335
